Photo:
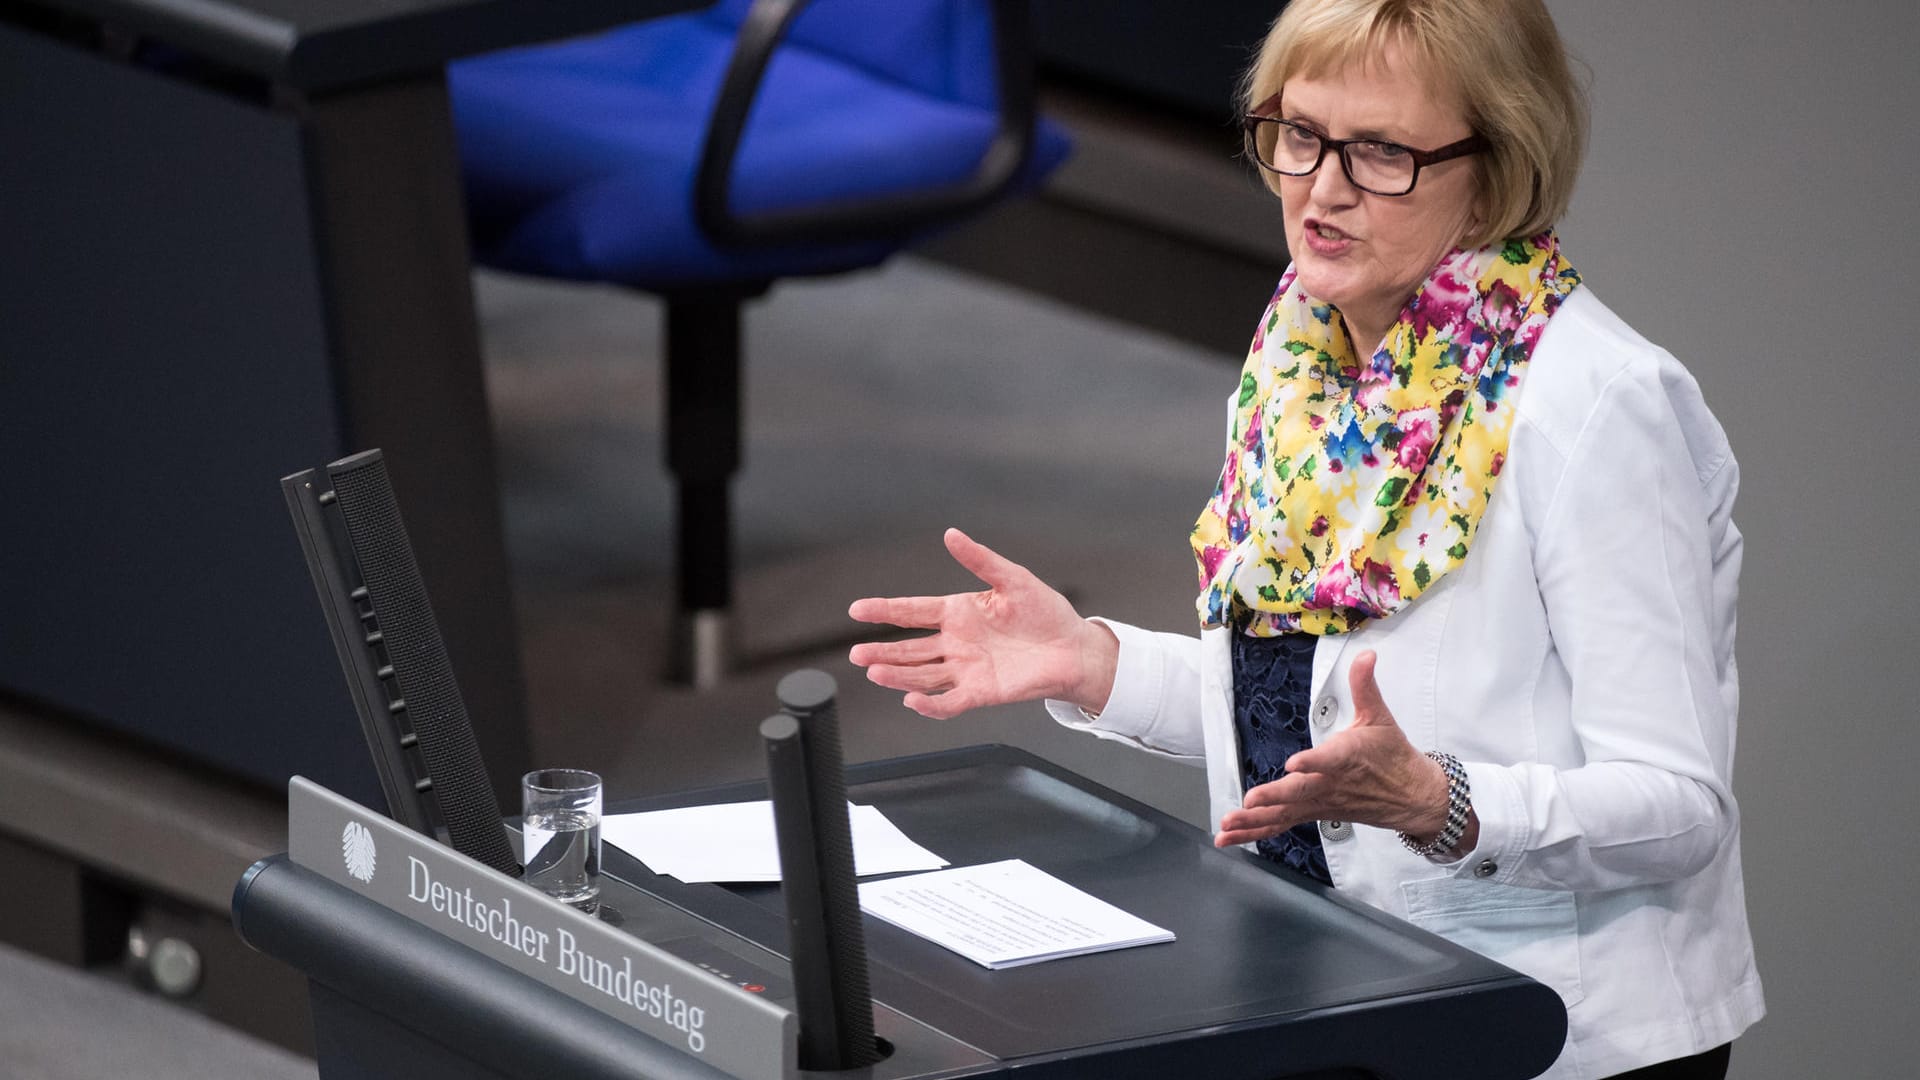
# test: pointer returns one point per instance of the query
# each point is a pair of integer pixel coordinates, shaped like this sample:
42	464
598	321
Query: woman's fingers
920	650
1369	707
1294	792
1248	836
1267	817
927	678
1247	826
916	612
941	706
1360	775
982	561
1011	642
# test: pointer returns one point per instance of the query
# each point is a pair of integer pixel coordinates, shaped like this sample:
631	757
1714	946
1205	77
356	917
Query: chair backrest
941	47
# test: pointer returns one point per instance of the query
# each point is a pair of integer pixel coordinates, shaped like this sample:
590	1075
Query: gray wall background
1749	202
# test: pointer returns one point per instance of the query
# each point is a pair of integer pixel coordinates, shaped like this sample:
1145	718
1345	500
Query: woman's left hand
1368	774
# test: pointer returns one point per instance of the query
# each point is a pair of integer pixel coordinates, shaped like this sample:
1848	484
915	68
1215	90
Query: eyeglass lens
1380	167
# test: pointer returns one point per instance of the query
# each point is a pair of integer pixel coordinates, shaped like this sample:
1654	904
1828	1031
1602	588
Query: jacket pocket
1533	931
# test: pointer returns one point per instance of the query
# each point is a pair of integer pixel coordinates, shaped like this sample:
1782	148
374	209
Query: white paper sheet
735	842
1005	914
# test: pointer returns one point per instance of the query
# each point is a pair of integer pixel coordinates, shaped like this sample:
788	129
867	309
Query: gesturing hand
1369	774
1017	641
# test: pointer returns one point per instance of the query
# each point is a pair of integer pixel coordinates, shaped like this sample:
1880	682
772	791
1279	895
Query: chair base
702	647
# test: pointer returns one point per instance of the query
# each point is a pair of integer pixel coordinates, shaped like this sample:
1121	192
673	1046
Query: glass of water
561	829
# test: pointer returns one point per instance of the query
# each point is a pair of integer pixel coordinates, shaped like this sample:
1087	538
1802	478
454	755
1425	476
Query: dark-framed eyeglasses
1372	165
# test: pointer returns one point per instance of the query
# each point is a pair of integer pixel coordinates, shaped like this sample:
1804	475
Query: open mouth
1325	239
1325	231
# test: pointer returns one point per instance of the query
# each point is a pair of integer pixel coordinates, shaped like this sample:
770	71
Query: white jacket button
1335	831
1324	711
1487	868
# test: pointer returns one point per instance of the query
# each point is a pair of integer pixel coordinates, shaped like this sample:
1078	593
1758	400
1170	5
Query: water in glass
563	855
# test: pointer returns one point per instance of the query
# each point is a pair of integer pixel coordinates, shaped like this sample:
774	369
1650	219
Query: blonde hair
1502	60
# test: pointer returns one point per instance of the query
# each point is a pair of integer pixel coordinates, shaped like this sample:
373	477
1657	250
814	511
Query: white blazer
1580	664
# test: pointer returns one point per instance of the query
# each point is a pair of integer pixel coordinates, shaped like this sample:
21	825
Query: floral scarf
1349	490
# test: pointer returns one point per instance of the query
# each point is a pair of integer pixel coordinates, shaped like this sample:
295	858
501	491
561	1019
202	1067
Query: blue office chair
704	156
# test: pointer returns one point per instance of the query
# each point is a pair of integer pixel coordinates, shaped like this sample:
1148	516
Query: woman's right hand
1019	640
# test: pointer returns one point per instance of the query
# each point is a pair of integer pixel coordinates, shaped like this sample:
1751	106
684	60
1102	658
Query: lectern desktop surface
1250	943
1258	949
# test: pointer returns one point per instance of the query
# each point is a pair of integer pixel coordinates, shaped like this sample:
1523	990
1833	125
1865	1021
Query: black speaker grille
844	927
418	655
808	696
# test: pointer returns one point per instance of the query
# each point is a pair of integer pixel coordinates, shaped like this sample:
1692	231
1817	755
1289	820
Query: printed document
735	842
1005	914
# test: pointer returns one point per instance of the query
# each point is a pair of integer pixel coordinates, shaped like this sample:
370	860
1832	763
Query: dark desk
318	46
1270	977
226	259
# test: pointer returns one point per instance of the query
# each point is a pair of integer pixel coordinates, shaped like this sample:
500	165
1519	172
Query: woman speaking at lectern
1467	579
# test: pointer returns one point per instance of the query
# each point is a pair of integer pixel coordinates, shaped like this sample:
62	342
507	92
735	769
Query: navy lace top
1272	681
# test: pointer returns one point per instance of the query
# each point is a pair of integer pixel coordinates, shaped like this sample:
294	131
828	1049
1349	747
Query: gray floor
882	407
57	1023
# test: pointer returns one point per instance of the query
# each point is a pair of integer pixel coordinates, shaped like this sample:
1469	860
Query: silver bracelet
1459	808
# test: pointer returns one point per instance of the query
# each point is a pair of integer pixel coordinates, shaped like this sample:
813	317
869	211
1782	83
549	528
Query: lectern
1270	976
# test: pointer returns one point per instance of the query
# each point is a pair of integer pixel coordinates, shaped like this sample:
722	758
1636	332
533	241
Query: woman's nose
1331	187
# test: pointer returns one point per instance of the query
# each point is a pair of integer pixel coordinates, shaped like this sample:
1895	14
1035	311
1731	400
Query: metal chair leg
703	452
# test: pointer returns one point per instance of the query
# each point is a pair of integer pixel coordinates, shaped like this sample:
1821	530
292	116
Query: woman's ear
1480	210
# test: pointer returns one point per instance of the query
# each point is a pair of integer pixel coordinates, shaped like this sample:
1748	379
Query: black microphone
826	942
396	662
